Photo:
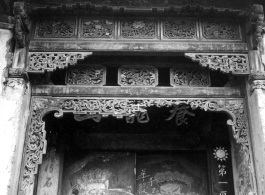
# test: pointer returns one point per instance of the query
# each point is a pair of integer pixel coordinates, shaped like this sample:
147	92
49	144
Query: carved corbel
257	80
257	25
258	84
21	11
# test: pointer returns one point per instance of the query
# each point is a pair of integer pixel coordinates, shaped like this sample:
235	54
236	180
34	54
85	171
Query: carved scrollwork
189	77
57	28
86	75
138	29
41	61
36	142
235	63
179	29
137	76
97	28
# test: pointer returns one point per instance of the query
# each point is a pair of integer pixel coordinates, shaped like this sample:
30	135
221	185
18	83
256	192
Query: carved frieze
235	63
94	75
49	61
189	77
179	29
36	142
138	29
55	28
98	28
214	29
137	76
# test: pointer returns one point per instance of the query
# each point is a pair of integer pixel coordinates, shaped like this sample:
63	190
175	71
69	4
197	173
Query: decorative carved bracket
41	61
21	11
235	63
257	80
36	141
258	84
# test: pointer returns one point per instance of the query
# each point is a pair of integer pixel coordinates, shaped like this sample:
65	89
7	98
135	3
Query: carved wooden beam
235	63
38	62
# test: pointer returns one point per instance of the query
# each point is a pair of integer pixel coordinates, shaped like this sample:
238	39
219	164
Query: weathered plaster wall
14	106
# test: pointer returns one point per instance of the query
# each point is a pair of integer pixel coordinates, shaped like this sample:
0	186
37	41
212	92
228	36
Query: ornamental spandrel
56	28
189	77
137	76
138	29
220	30
179	29
97	28
86	75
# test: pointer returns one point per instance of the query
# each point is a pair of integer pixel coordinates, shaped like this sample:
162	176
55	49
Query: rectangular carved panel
138	28
86	75
97	28
138	76
56	28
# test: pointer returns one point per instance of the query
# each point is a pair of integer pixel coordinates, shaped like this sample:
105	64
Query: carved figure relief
220	30
138	29
189	77
137	76
179	29
86	75
97	28
57	28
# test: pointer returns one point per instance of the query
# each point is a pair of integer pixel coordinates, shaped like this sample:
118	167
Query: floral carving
179	29
60	28
189	77
36	142
137	76
220	30
97	28
235	63
141	29
41	61
90	75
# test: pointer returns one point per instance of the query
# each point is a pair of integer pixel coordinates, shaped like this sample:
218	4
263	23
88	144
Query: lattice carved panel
189	77
36	142
49	61
220	30
94	75
137	76
235	63
57	28
97	28
138	29
179	29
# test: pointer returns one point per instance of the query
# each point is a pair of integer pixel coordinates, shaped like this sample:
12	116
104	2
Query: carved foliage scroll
189	77
57	28
39	62
179	29
137	76
138	29
36	143
220	30
86	75
235	63
97	28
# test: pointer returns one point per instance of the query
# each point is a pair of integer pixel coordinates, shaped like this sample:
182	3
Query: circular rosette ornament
220	154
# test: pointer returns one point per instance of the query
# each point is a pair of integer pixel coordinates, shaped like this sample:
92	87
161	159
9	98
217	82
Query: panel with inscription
172	174
56	28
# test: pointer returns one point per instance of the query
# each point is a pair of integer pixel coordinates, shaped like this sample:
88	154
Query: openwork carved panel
36	143
189	77
137	76
138	29
39	62
179	29
220	30
57	28
97	28
86	75
235	63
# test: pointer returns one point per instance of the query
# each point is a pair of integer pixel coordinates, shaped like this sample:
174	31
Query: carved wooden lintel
234	63
39	62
